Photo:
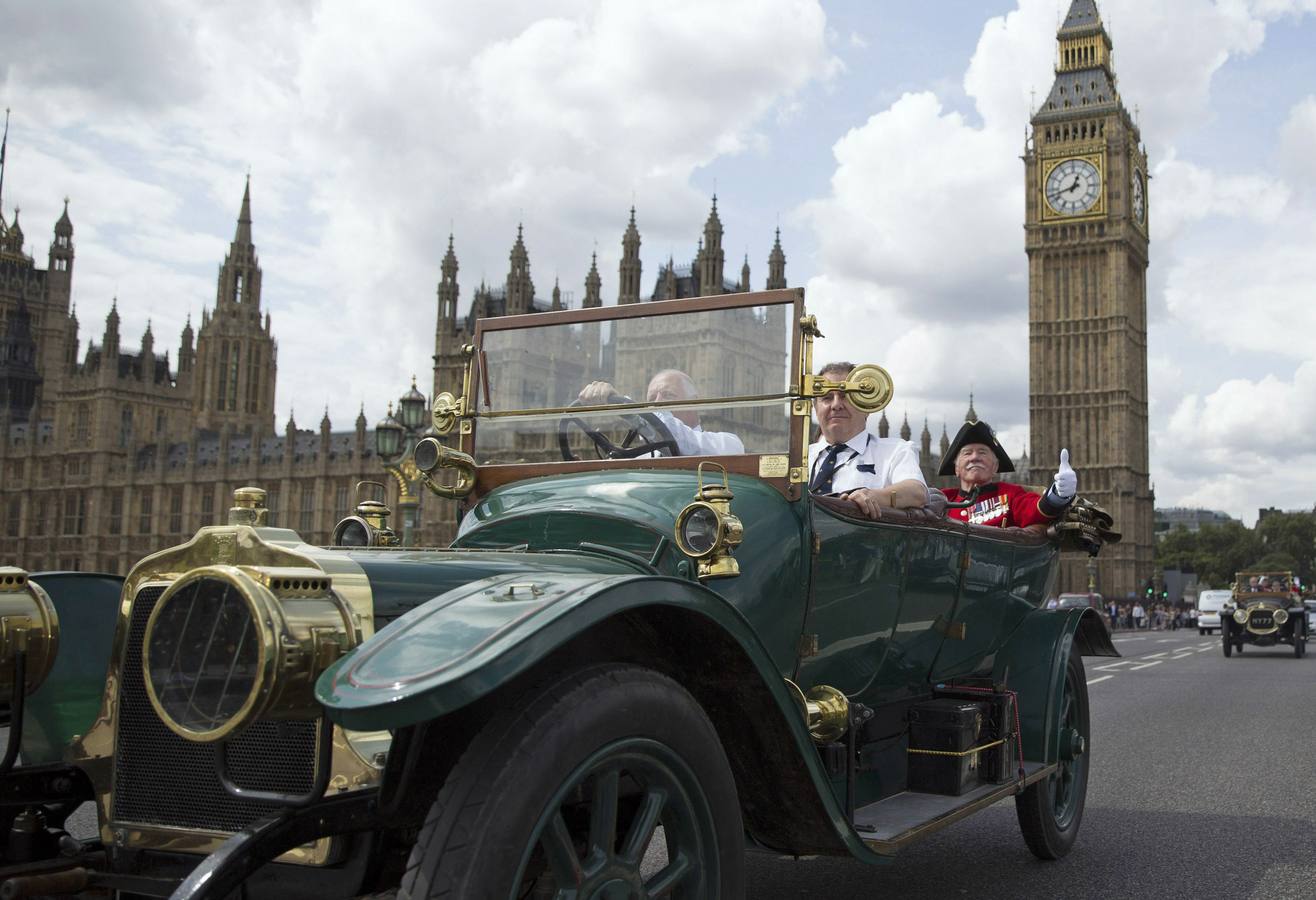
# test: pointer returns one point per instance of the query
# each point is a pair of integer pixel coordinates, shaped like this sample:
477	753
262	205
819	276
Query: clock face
1139	199
1073	187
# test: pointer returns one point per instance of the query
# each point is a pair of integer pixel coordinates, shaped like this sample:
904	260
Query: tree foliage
1285	541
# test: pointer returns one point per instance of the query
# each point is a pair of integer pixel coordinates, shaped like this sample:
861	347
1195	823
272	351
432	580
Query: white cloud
371	131
1253	295
1185	192
1244	445
1297	138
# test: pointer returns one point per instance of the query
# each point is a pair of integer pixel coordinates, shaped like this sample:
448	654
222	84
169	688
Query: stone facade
111	456
1085	186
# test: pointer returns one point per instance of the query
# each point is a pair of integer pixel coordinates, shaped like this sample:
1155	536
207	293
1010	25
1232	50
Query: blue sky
371	131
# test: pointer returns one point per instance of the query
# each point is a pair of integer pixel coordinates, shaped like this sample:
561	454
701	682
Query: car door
880	595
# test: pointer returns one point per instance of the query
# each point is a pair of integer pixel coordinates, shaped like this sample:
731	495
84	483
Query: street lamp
395	437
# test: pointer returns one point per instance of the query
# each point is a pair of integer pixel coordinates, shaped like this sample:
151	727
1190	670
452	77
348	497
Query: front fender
467	642
1032	663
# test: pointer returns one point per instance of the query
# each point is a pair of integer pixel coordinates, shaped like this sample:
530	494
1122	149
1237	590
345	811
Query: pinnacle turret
243	233
629	269
776	265
593	284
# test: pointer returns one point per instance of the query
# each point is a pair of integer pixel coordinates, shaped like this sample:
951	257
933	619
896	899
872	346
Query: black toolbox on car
999	759
942	736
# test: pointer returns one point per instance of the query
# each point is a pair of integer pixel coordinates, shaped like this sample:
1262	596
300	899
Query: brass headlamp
369	527
706	529
28	623
228	645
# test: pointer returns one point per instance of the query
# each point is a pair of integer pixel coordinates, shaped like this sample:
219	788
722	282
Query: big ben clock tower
1085	230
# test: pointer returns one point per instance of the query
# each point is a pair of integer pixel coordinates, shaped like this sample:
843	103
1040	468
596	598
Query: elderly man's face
837	418
975	465
668	386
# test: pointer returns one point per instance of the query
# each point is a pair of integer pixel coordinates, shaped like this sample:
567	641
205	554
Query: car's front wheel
1050	810
562	792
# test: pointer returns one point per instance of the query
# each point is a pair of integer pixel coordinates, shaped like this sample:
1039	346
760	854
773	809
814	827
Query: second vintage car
1265	610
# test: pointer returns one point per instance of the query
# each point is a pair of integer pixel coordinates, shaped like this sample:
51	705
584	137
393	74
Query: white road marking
1155	655
1182	655
1102	678
1204	649
1119	639
1115	665
1165	640
1147	665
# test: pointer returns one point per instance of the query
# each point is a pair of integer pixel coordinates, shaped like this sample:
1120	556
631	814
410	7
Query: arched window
221	395
234	362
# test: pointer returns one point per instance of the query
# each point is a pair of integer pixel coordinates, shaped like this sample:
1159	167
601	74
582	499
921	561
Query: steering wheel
647	428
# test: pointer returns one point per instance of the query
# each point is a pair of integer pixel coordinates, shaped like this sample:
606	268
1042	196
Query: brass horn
431	456
826	711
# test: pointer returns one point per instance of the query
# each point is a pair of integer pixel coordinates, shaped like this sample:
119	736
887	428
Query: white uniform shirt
697	442
868	461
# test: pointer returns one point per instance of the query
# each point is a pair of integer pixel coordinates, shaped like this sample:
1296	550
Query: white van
1209	604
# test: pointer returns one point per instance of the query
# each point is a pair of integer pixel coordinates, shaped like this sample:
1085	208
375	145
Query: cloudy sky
883	139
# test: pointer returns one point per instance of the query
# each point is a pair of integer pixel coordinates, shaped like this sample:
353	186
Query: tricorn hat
975	433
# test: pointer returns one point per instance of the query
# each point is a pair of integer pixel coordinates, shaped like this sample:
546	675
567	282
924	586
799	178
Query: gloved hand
1065	485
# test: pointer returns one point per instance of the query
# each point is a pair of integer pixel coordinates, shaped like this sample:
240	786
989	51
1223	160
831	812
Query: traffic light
1149	590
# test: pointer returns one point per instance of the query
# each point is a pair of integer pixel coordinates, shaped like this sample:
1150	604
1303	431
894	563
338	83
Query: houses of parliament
111	450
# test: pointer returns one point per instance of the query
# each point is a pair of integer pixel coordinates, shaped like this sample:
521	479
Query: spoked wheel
562	795
1051	810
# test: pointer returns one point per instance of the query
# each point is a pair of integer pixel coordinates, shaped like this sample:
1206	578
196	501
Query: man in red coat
975	457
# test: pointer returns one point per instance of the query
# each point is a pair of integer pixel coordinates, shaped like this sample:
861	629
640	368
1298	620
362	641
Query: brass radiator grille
164	780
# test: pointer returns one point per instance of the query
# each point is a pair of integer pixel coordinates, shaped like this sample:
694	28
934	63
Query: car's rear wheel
1051	810
1201	631
561	794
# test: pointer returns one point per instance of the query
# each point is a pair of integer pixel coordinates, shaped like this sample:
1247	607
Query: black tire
1228	644
1051	810
1299	645
567	784
1201	631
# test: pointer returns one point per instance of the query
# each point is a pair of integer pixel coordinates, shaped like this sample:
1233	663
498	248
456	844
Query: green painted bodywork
402	580
636	511
68	701
566	525
538	562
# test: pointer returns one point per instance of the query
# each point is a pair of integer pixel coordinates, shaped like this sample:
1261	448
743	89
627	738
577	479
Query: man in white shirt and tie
850	461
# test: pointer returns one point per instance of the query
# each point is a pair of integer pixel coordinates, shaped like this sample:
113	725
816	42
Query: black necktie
822	480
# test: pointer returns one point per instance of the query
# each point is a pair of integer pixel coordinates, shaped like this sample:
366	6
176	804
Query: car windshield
1071	600
667	380
1265	583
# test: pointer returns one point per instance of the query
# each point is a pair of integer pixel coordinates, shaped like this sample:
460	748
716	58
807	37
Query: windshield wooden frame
762	466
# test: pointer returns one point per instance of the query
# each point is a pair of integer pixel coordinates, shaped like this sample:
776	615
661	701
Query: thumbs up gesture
1066	480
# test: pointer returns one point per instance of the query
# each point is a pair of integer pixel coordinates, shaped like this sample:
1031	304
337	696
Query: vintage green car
641	655
1265	609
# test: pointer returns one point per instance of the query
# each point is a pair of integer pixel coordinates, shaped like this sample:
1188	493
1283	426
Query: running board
890	825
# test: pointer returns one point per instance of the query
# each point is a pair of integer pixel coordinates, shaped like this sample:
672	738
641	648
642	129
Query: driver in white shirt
667	386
